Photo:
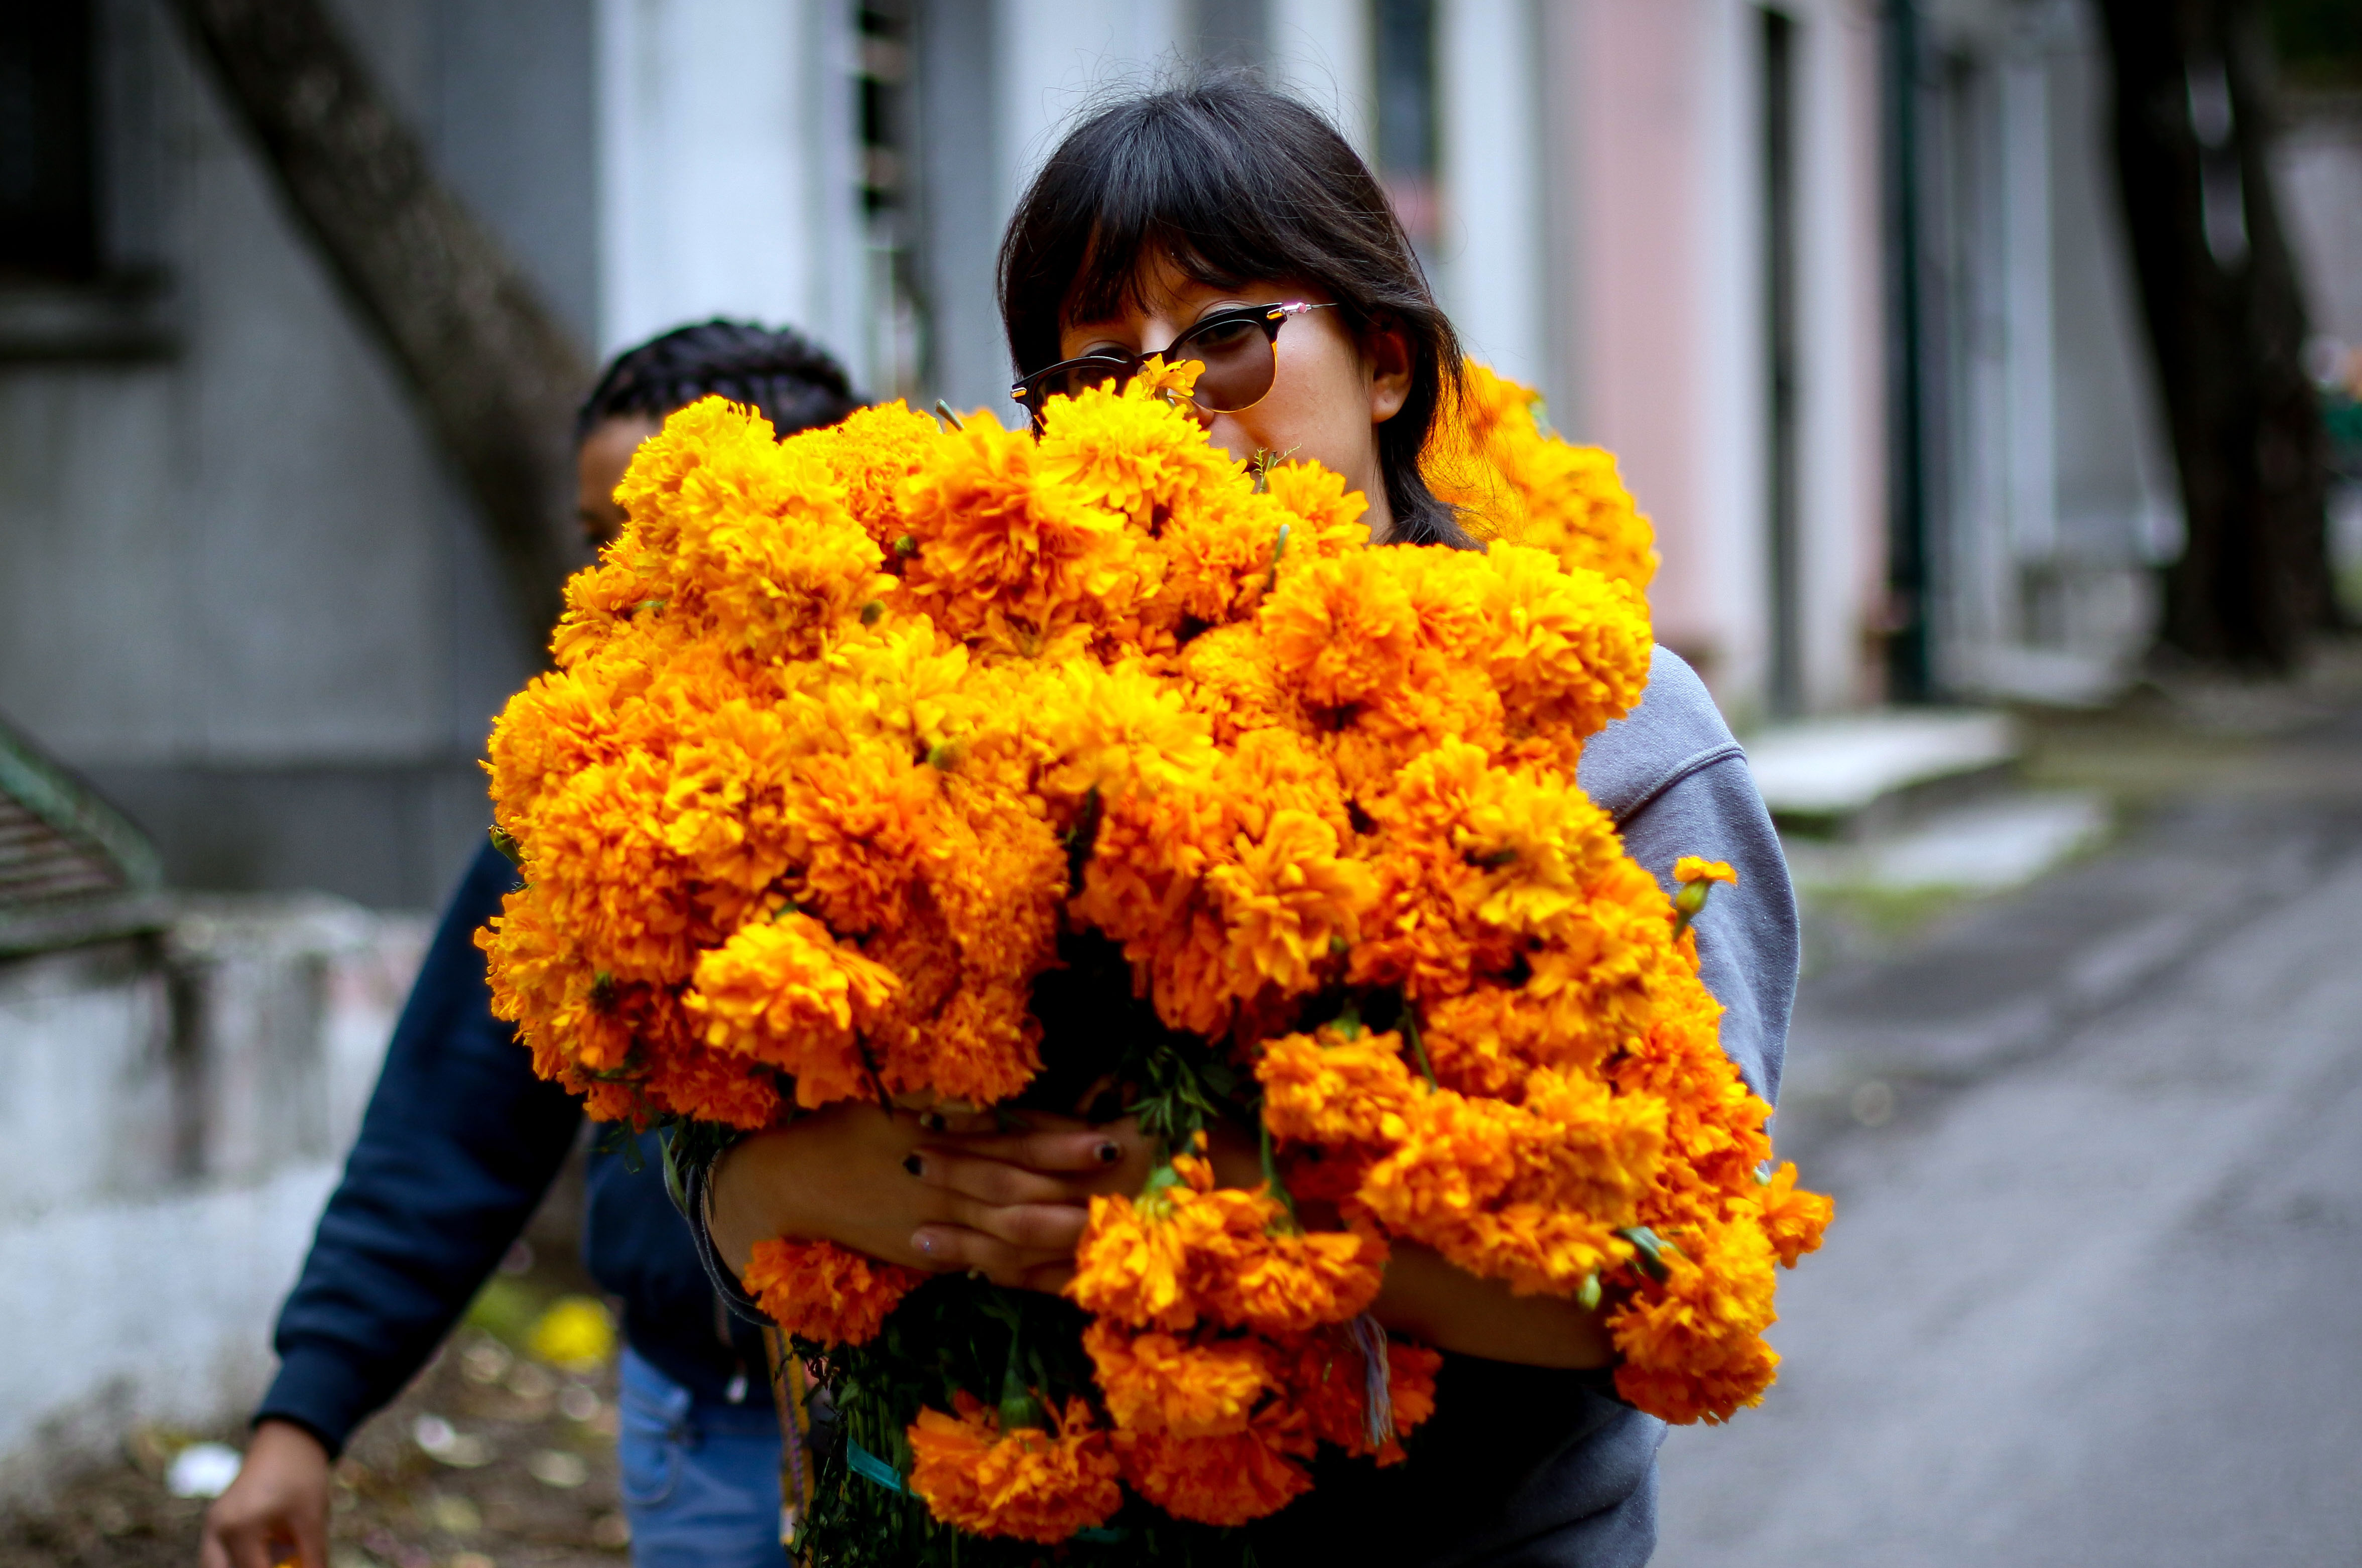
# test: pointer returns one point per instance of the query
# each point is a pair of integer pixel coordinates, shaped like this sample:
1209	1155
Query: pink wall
1629	70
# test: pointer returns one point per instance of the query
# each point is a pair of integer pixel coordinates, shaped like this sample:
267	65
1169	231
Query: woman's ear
1385	348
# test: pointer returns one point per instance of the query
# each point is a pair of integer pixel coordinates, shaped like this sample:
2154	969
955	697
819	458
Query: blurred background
1988	367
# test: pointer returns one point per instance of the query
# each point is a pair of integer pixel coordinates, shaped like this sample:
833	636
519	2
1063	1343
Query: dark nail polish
1109	1153
915	1165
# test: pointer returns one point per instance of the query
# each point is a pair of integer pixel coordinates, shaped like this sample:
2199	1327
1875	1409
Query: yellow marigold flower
1130	1267
1344	630
1121	730
1027	1484
1567	650
1696	869
1131	452
1159	1382
1529	1194
1326	517
1288	1282
821	1292
871	452
1190	1252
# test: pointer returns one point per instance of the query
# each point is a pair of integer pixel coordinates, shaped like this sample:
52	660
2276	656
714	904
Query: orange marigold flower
828	1294
1284	900
1159	1382
1698	869
786	992
1028	1483
1325	1088
1692	1343
1792	1219
1490	455
1328	1379
1224	1480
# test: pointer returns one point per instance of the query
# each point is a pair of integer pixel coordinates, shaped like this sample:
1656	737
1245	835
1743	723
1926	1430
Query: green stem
1418	1045
1271	1173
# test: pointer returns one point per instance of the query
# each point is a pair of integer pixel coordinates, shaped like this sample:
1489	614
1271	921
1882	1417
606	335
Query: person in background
461	1141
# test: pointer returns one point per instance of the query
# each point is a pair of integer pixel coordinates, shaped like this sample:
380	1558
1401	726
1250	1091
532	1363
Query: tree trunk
2219	291
497	374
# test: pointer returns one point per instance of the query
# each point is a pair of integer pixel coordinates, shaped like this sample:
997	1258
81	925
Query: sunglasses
1238	349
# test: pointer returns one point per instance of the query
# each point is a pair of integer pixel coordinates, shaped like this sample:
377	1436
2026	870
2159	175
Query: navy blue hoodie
460	1143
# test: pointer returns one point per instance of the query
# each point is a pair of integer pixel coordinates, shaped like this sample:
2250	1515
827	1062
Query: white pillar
1488	74
1054	56
1729	418
729	174
1322	53
1840	437
2028	387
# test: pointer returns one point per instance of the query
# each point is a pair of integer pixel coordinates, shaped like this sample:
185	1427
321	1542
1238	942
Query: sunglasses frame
1123	366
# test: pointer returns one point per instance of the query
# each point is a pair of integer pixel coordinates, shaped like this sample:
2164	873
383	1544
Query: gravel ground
490	1459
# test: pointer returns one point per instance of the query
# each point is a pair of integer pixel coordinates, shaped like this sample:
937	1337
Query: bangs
1230	183
1166	199
1182	178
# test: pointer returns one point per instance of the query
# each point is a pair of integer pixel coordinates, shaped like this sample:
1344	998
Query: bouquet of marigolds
940	763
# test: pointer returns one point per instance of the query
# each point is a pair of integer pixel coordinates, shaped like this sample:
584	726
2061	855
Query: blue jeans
700	1480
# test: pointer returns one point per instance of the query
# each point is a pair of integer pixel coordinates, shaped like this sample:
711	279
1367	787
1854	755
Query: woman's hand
1010	1205
1040	1178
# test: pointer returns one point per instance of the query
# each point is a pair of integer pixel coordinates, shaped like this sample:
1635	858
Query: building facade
1839	280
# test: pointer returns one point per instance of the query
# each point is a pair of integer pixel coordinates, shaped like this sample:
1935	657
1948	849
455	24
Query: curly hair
792	381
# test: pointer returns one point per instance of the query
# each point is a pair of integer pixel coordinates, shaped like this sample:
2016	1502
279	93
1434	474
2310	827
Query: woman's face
1327	397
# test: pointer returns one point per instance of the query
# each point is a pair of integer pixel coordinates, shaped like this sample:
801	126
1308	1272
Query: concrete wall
238	587
178	1106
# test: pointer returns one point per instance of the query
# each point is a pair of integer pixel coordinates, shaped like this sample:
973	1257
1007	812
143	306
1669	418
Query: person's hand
277	1509
909	1188
1039	1177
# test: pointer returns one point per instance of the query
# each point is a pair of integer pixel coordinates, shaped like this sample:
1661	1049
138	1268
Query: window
896	347
49	173
1405	37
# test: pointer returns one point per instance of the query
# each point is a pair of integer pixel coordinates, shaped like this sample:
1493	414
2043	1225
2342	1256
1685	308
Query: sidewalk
2097	1150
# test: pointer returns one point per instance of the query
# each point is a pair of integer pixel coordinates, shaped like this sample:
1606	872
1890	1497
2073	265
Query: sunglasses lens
1239	360
1066	381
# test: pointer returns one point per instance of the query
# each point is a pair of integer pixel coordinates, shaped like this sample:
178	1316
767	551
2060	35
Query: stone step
1861	776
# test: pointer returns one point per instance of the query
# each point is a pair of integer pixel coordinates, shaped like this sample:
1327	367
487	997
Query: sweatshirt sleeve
458	1144
1677	783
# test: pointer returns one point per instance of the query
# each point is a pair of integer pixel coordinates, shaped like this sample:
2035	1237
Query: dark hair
1234	181
796	385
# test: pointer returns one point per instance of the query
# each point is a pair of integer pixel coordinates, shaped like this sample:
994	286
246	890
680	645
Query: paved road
2095	1294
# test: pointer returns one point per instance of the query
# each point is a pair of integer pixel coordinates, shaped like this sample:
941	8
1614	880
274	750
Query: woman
1224	223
